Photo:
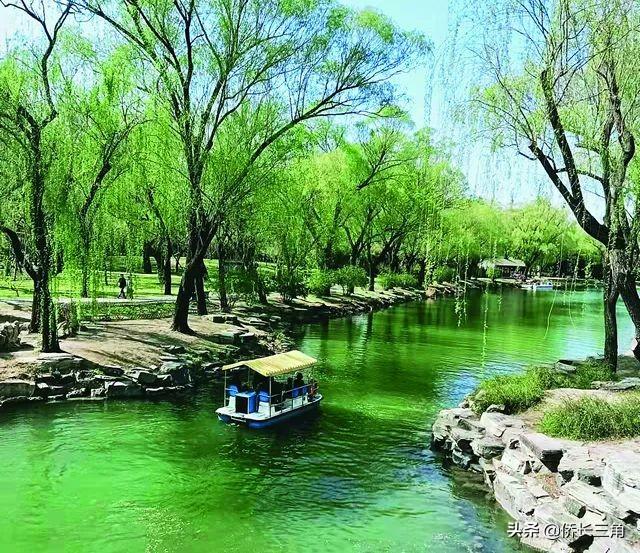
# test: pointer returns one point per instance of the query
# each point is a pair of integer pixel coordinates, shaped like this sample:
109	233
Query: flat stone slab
516	461
548	451
551	513
628	383
595	499
496	423
120	389
463	438
511	492
15	387
621	478
488	447
583	464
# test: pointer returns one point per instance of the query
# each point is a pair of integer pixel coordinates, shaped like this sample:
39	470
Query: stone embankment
62	376
226	337
564	496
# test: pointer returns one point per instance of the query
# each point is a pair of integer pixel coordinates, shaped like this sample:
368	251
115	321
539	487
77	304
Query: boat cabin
268	390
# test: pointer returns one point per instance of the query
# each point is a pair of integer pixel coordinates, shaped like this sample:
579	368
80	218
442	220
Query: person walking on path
122	284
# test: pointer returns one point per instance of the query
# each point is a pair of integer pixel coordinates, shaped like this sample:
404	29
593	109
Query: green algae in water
167	476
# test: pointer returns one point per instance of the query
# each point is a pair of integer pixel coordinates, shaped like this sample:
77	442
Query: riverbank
564	495
144	359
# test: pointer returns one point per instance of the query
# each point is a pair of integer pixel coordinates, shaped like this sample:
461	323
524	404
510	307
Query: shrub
240	286
444	274
588	372
397	280
518	392
320	281
289	283
68	319
349	277
591	418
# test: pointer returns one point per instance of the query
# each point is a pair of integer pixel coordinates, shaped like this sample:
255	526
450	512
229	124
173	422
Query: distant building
507	267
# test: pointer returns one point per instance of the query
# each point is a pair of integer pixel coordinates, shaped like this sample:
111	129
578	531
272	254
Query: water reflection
359	477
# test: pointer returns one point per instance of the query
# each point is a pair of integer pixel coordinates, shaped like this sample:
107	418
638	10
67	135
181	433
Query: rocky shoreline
247	332
564	496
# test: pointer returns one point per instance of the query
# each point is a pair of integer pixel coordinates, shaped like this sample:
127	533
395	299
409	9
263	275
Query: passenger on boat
235	380
313	389
289	388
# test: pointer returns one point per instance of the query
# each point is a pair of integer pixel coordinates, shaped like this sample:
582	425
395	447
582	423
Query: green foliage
589	372
444	274
121	312
537	233
289	284
493	273
349	277
390	280
320	281
518	392
240	286
591	418
68	318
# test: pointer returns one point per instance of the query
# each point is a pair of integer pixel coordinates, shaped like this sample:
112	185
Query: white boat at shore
543	285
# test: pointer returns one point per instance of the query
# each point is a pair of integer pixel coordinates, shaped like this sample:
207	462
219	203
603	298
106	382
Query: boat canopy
275	365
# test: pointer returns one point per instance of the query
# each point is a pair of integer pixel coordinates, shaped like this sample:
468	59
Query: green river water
154	477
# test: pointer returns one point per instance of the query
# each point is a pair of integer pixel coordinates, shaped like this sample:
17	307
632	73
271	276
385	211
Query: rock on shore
564	496
10	336
60	376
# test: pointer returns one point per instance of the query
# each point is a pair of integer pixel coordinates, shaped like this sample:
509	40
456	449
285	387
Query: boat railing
278	400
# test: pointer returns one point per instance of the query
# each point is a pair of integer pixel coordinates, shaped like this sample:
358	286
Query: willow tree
209	58
537	232
571	106
97	117
28	111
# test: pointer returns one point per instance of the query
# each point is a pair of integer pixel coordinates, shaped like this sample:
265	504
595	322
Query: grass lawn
519	392
105	285
101	285
591	418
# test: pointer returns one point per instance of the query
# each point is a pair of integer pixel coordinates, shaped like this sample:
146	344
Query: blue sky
430	17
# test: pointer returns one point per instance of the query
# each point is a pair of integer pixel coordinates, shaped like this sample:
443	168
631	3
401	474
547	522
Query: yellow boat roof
275	365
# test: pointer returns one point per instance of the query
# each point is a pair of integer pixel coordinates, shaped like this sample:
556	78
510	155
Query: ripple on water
167	476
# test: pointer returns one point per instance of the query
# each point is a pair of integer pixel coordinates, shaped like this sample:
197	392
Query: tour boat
261	393
547	285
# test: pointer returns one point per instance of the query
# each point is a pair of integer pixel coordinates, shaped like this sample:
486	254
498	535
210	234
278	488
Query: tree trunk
49	332
201	296
625	283
610	320
372	277
166	278
422	272
183	299
42	243
260	288
34	324
222	280
372	270
147	250
84	292
159	257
